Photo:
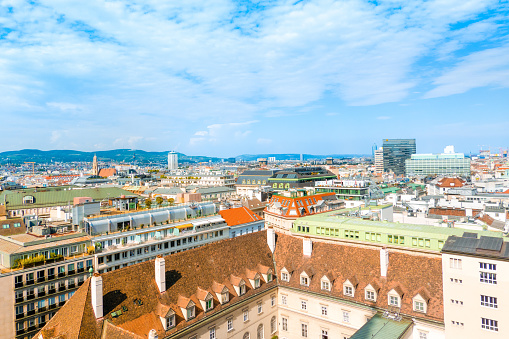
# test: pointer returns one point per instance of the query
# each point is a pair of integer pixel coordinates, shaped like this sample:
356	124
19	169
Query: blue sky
224	78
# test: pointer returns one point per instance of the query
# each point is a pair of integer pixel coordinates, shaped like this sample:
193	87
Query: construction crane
33	166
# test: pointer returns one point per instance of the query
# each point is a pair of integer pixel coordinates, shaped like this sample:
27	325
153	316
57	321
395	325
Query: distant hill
117	155
130	155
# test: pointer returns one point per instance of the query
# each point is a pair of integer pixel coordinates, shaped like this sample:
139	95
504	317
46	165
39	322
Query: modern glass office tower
396	151
447	163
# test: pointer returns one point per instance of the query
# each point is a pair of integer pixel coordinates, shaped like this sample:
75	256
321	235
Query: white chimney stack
384	261
160	274
271	239
307	247
152	334
97	295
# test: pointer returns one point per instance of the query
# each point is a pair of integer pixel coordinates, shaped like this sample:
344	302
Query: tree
159	201
171	201
148	203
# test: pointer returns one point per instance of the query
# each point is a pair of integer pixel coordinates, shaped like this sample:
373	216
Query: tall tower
95	166
379	160
395	152
173	162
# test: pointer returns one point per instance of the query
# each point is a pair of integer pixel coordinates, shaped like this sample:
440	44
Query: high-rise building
95	166
173	162
447	163
379	160
395	152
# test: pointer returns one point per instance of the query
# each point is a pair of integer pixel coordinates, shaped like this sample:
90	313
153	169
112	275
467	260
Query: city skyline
225	78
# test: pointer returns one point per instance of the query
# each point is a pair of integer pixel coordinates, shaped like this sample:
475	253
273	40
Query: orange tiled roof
107	172
451	182
237	216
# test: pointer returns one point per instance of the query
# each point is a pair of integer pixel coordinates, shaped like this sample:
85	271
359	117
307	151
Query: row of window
41	305
254	182
16	224
31	278
51	288
304	327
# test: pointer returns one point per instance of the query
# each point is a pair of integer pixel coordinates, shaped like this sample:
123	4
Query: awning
180	227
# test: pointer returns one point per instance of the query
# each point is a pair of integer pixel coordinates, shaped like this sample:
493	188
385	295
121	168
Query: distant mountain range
130	156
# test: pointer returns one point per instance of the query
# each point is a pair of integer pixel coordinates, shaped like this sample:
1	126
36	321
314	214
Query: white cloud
201	133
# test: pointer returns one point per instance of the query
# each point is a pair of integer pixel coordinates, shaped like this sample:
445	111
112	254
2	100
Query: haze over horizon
223	78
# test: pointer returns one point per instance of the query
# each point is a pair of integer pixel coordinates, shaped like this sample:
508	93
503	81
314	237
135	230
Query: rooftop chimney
97	295
160	273
384	261
307	247
271	239
152	334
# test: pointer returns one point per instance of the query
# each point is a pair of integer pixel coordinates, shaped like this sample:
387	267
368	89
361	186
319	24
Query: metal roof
490	243
494	247
382	328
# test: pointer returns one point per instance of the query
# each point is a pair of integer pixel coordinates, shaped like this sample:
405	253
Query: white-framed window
260	309
393	300
303	305
487	266
272	300
488	278
348	291
246	315
212	333
246	335
325	285
229	325
370	295
273	325
284	300
225	297
257	283
304	281
324	310
325	334
423	335
208	304
170	321
285	276
346	316
489	301
259	332
242	289
190	312
489	324
455	263
284	324
418	306
304	330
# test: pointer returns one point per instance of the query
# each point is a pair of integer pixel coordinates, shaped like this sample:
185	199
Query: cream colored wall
281	224
469	292
333	322
7	306
239	326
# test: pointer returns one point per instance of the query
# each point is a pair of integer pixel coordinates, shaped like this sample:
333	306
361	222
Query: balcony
41	294
30	282
81	270
71	285
61	303
21	331
61	274
71	272
18	284
50	307
52	290
30	296
20	299
41	279
20	315
51	277
31	312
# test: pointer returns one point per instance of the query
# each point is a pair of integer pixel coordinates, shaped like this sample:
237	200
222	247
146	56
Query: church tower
95	166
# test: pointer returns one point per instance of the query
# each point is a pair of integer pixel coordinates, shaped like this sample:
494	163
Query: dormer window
394	297
190	312
170	321
348	288
325	285
225	297
208	304
304	280
269	277
349	291
370	295
257	283
420	302
393	300
242	289
370	292
285	276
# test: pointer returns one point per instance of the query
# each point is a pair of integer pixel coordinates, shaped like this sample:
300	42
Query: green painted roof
381	328
332	219
57	196
390	189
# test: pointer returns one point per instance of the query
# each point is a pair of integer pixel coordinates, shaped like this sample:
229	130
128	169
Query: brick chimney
160	273
97	295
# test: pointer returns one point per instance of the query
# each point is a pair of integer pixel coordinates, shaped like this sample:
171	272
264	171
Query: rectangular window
325	286
303	305
349	291
304	330
246	315
284	276
489	301
393	301
283	300
346	316
260	308
272	300
208	304
325	334
419	306
212	333
489	324
324	310
455	263
488	278
370	295
486	266
423	335
304	281
229	325
284	323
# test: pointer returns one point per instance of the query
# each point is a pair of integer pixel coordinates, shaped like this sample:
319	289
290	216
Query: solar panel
490	243
469	235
